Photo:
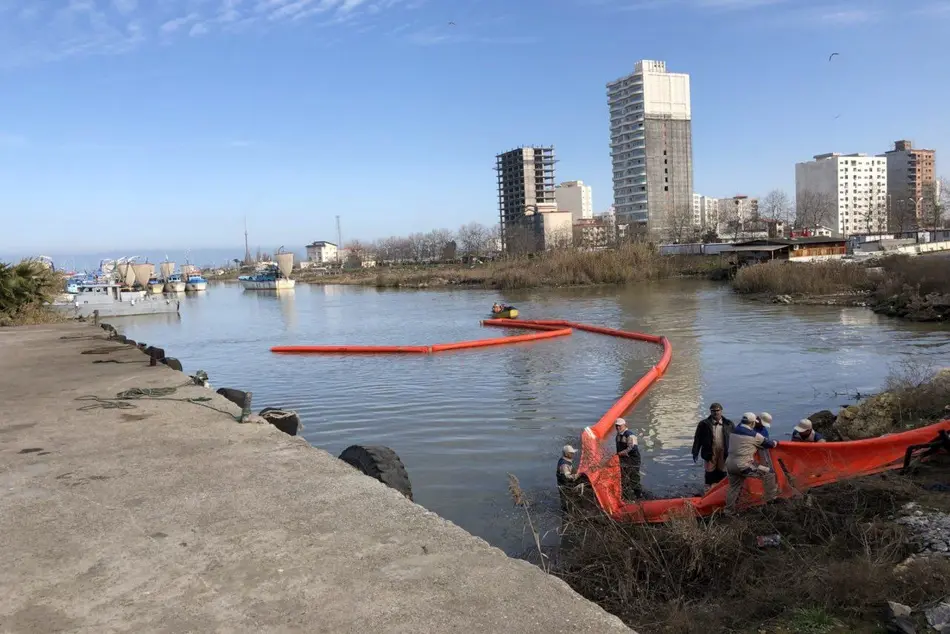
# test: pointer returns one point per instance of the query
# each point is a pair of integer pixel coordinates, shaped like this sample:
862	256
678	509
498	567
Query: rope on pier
121	400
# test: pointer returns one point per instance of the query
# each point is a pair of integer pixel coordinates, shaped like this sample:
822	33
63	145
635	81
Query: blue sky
127	124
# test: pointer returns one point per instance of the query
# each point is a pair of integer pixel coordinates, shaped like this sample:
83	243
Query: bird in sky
832	55
451	23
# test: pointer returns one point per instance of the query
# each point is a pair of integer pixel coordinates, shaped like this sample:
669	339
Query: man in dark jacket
711	441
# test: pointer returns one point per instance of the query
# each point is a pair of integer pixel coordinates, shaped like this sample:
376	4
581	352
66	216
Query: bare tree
473	239
933	205
436	241
776	205
902	215
813	210
678	226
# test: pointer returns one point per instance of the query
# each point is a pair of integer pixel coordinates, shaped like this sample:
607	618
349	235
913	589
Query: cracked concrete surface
174	518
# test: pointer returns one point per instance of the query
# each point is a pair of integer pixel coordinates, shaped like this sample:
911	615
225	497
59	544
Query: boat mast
247	248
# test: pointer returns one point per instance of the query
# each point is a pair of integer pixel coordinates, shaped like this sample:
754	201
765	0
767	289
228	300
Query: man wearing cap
805	432
629	453
744	444
566	474
711	441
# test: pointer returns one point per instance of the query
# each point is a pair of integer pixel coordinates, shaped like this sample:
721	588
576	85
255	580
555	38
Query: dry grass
626	264
818	278
921	275
30	315
837	563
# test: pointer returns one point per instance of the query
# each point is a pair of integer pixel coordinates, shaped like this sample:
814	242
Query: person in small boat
805	432
566	474
744	444
629	453
711	442
496	308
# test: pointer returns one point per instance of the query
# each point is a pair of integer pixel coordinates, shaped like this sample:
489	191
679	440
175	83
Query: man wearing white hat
629	453
805	432
566	474
744	444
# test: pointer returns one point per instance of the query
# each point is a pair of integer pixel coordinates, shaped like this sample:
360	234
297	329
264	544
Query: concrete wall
575	197
669	158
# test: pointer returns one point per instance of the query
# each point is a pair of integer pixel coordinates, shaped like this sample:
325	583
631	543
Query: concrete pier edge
170	517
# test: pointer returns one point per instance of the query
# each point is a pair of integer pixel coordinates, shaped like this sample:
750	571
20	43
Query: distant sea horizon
89	261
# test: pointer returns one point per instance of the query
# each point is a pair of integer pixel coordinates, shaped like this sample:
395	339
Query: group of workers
728	451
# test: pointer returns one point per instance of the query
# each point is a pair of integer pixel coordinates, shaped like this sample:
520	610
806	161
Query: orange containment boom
545	332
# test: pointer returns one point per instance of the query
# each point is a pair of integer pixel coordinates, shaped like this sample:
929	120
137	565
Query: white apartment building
705	212
575	197
323	252
650	144
845	192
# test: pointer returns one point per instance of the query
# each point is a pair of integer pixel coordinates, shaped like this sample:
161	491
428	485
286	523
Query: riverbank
912	288
172	515
627	264
844	551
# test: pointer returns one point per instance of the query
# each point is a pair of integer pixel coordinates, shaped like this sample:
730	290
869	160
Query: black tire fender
380	463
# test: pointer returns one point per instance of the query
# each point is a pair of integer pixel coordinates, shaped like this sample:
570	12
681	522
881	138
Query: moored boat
156	285
196	283
174	284
271	276
110	300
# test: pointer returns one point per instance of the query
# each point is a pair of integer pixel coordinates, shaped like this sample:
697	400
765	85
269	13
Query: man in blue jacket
744	444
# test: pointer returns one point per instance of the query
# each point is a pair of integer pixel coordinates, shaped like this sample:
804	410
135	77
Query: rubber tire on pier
380	463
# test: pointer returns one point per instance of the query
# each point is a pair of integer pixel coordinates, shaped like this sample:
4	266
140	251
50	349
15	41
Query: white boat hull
148	306
175	287
280	284
156	288
196	286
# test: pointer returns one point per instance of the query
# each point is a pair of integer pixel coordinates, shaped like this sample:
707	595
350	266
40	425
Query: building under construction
525	189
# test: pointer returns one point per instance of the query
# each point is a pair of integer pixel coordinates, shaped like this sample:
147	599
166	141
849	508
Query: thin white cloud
175	24
35	31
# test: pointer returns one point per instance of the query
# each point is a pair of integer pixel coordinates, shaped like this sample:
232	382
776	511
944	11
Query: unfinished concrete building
651	146
525	189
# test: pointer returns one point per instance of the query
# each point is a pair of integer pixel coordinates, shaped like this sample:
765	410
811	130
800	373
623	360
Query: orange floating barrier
799	466
351	349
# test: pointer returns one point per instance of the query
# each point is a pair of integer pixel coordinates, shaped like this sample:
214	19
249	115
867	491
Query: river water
461	421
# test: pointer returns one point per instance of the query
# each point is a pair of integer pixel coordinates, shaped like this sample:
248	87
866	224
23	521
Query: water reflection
463	420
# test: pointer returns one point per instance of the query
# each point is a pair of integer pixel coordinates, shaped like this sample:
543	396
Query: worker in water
711	442
566	475
744	444
763	423
805	432
629	453
496	308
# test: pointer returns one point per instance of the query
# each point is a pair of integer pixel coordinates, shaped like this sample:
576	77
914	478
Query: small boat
174	284
155	285
196	283
506	312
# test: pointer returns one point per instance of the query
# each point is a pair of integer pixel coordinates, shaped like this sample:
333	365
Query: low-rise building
594	233
323	252
791	250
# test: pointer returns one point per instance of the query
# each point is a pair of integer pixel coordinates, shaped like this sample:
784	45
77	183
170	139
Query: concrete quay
171	517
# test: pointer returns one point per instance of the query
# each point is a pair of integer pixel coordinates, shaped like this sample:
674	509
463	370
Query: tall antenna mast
247	249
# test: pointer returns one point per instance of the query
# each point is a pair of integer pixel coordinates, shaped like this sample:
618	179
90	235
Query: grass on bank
816	278
570	267
899	275
839	562
24	289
